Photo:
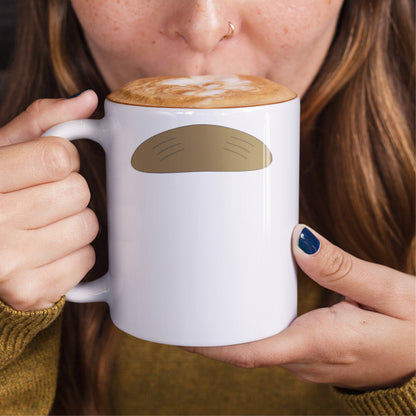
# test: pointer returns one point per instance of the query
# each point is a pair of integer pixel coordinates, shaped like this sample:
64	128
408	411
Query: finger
39	161
46	113
41	288
48	244
65	273
288	346
346	343
63	237
376	286
45	204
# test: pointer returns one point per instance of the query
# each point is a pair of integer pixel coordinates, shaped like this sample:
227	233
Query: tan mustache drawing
199	148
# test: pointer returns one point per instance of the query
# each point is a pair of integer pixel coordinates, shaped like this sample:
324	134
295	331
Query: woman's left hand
364	342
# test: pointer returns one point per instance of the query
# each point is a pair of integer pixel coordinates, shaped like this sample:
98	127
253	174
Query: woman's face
283	40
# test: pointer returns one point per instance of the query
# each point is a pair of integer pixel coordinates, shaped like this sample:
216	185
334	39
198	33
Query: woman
352	64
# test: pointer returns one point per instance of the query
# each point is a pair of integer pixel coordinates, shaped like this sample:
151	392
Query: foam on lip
208	85
201	80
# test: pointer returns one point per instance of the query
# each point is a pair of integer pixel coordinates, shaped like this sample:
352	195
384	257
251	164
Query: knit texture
394	401
29	351
158	379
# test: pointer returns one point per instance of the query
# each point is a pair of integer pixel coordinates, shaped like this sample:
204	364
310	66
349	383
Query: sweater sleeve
392	401
29	355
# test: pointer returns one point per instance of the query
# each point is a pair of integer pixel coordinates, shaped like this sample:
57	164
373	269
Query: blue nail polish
75	95
308	242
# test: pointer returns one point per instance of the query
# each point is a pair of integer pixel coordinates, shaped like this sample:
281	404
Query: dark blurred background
7	34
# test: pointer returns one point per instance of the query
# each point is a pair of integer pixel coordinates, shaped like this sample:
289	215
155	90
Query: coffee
202	91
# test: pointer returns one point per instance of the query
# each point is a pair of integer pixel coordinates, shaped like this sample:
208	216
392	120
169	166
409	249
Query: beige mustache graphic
199	148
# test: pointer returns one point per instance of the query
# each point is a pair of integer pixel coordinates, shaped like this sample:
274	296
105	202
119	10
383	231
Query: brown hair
358	129
357	154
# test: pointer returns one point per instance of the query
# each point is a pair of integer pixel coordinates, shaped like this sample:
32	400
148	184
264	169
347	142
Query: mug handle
97	290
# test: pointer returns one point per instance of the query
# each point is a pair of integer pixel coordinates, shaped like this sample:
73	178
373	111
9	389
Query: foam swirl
202	91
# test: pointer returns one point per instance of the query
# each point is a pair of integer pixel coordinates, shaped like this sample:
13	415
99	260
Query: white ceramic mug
197	257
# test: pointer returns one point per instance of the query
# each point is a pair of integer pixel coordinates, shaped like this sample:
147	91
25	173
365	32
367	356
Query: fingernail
307	242
75	95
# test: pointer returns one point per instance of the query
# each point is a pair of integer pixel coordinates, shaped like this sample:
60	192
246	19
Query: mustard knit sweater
155	379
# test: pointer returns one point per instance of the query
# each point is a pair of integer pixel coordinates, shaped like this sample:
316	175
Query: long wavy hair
357	154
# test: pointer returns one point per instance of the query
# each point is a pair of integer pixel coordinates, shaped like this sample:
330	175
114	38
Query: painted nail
75	95
307	242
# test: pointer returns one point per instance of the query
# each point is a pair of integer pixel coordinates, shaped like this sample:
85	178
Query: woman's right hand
45	225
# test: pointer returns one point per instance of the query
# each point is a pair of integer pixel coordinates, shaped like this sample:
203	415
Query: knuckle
34	112
89	223
56	159
35	108
79	188
19	296
246	358
21	301
247	364
90	257
337	265
313	375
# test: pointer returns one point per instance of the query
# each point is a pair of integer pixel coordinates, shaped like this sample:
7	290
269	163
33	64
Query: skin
184	37
364	342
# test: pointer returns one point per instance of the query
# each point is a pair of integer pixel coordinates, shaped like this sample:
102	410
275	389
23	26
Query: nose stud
230	33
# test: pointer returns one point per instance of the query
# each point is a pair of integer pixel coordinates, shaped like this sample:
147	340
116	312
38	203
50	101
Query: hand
45	225
366	341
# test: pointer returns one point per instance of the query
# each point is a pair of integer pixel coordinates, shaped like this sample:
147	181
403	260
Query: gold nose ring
231	30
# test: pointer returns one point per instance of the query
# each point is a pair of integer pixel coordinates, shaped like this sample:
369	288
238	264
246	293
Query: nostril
202	40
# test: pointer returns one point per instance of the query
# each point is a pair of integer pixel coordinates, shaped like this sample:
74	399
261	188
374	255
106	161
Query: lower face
283	40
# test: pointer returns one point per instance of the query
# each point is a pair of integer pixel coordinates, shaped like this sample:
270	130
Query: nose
202	24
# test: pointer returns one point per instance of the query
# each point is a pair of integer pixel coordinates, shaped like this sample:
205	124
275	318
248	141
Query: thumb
46	113
376	286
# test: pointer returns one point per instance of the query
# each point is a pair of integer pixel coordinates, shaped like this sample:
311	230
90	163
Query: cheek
296	27
295	38
111	28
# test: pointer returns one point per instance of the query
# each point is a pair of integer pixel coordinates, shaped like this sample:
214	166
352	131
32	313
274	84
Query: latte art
202	91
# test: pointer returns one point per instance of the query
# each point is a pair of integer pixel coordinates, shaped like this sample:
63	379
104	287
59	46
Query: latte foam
202	91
